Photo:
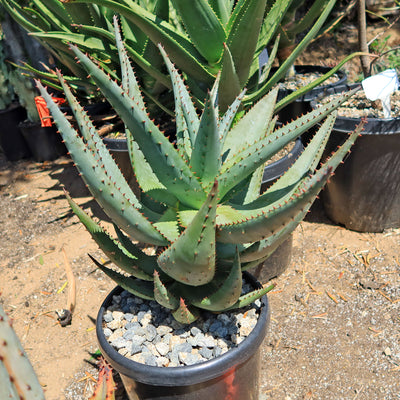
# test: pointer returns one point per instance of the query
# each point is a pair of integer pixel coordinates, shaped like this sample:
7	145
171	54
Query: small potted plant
364	193
203	222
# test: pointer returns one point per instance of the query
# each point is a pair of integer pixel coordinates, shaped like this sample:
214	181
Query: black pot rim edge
278	167
187	375
373	126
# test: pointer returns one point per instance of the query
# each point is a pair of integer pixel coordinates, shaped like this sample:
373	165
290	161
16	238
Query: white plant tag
381	86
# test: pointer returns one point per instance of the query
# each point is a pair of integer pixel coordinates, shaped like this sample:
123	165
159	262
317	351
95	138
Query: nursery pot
233	375
364	193
12	142
45	143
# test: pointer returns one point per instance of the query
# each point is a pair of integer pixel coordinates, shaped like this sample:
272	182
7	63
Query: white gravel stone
162	348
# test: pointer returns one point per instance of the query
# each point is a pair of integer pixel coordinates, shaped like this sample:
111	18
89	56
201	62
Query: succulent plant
17	377
204	38
199	203
7	94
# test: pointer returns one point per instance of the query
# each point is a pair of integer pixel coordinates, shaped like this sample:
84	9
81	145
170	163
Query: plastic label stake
381	86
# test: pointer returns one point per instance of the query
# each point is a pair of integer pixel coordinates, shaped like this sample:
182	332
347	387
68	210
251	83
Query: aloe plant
17	377
199	204
204	38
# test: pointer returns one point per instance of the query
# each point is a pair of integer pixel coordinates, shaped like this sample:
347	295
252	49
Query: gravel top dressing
147	333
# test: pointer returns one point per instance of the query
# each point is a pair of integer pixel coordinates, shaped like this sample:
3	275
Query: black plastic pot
234	375
276	264
12	142
45	143
364	193
302	104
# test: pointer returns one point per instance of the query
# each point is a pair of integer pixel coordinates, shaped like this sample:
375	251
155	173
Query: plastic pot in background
12	142
364	193
234	375
276	264
45	143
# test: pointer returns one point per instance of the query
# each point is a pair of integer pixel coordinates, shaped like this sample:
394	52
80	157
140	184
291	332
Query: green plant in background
7	94
301	19
16	87
26	91
199	204
39	17
204	38
388	57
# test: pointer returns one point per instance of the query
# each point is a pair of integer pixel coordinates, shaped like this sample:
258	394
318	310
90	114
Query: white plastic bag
381	86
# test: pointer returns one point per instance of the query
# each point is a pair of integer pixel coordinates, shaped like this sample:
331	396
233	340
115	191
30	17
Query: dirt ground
335	327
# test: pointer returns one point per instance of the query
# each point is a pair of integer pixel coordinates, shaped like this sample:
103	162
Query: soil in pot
304	75
159	358
12	142
364	193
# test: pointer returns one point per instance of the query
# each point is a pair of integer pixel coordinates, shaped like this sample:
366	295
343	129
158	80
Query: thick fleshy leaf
228	293
243	36
116	204
203	27
170	168
184	314
162	295
246	161
140	288
251	297
191	258
119	255
206	159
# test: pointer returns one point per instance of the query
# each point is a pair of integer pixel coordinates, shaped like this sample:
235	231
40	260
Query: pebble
114	335
148	334
388	352
162	348
107	332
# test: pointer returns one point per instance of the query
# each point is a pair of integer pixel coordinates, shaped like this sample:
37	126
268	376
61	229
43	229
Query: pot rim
277	168
184	375
373	126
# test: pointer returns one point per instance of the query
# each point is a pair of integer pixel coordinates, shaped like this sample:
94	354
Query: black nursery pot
234	375
45	143
12	142
364	193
